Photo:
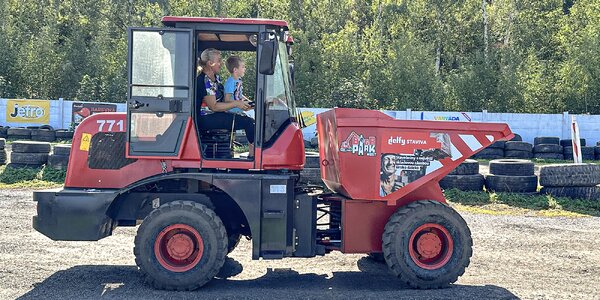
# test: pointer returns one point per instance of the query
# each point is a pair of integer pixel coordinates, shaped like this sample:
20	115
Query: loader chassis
150	168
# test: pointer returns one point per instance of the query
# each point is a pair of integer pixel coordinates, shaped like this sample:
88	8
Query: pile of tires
587	153
547	147
465	177
511	176
577	181
311	174
597	151
29	154
59	159
43	134
493	151
2	151
518	149
18	133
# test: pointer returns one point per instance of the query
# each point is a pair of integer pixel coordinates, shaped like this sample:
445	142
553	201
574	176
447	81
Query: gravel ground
514	256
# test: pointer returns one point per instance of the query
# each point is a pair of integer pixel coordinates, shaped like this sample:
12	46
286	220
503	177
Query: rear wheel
427	244
180	246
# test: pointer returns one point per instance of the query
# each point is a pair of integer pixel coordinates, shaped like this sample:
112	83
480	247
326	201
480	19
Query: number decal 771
110	125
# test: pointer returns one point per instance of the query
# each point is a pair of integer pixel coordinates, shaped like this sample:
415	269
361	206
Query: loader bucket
368	155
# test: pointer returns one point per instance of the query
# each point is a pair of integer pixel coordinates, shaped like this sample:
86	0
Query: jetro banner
28	111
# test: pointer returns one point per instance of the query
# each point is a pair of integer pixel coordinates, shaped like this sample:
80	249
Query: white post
575	142
61	103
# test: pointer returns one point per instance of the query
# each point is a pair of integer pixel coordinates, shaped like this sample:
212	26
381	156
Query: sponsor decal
358	144
82	110
408	156
28	111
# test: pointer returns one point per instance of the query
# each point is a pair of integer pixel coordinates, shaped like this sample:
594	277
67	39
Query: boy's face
241	69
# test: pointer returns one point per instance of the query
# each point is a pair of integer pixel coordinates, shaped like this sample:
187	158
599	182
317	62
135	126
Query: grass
511	204
31	178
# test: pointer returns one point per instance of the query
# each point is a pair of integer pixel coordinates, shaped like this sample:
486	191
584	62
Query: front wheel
180	246
427	244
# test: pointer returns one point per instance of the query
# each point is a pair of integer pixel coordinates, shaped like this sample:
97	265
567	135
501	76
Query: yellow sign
86	138
309	118
28	111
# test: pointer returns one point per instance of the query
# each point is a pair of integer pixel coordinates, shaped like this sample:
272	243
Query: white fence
60	115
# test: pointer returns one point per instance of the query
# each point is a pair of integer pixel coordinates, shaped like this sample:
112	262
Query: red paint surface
287	152
430	246
171	20
178	248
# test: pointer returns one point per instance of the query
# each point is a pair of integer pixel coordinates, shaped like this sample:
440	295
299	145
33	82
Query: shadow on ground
373	281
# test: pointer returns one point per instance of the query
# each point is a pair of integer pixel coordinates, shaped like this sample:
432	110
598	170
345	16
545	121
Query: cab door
159	96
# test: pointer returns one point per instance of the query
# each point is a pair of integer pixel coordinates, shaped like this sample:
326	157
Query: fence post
566	125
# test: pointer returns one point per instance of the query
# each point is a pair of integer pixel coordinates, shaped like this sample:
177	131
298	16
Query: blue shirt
234	87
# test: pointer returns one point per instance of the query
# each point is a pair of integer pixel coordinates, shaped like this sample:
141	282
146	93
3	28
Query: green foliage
31	177
538	57
13	175
54	175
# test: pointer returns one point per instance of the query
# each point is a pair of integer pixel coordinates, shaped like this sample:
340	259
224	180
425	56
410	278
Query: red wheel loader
155	167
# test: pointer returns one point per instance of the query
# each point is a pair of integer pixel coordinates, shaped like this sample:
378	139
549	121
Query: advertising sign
406	157
28	111
83	110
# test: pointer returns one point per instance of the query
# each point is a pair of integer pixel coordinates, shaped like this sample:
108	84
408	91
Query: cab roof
171	21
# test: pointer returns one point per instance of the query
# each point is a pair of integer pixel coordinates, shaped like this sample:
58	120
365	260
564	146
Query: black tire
559	156
63	149
546	140
467	167
568	142
575	192
3	132
311	176
587	153
232	241
312	160
498	144
19	133
63	134
517	138
3	156
47	127
547	148
511	184
196	218
489	153
570	175
377	257
30	147
2	143
511	167
58	161
518	146
518	154
412	221
472	182
29	158
43	135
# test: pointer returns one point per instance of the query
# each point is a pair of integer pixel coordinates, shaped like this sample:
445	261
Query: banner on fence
82	110
28	111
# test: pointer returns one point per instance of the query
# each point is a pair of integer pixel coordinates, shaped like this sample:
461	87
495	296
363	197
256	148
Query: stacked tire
597	151
19	133
465	177
587	153
518	150
546	147
577	181
3	132
43	135
511	176
59	159
64	135
3	153
311	174
29	154
493	151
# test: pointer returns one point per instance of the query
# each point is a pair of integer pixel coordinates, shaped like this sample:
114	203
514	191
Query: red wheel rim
178	247
430	246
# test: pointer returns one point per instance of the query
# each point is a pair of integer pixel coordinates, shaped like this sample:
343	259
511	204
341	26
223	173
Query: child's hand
243	105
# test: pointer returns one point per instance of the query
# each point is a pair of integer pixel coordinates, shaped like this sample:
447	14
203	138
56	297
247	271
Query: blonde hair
206	56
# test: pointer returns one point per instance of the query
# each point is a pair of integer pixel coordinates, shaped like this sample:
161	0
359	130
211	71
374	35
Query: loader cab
163	105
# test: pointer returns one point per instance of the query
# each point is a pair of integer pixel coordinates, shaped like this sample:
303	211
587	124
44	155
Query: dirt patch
514	256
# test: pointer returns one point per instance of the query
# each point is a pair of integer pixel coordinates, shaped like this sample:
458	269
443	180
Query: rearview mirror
268	57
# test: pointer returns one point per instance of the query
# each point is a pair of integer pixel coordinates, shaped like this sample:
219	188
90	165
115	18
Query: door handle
135	104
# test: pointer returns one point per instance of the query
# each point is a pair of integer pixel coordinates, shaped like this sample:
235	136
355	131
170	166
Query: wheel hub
180	246
429	245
